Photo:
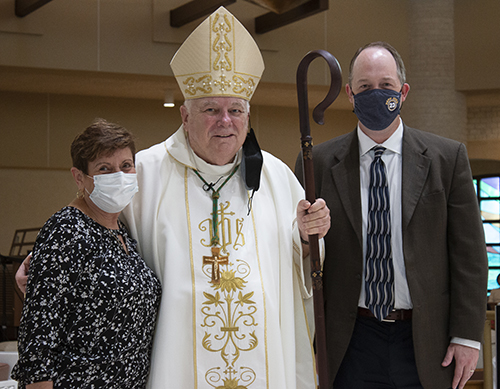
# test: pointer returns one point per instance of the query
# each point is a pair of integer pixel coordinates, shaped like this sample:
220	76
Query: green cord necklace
215	260
215	203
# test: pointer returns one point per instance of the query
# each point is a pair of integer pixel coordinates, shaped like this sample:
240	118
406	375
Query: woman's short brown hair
101	138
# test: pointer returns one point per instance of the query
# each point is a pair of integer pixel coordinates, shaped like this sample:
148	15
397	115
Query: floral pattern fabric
90	310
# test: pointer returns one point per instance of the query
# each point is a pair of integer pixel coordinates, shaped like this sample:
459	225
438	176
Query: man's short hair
399	61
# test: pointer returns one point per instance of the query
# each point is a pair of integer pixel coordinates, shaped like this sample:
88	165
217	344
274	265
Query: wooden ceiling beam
25	7
195	9
272	21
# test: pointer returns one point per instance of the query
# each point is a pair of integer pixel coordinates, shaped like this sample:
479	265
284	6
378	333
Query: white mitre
219	58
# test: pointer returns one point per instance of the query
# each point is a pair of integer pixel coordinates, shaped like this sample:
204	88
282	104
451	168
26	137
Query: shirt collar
394	143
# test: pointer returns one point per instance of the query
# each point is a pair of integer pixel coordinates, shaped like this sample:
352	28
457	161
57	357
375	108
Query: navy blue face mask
376	109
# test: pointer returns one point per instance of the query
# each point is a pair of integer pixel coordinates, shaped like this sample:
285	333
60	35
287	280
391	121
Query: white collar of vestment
394	143
178	147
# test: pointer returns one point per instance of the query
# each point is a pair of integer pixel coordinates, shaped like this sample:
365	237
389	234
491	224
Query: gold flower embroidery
231	384
229	312
229	282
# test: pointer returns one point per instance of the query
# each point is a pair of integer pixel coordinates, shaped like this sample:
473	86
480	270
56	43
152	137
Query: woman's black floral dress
90	308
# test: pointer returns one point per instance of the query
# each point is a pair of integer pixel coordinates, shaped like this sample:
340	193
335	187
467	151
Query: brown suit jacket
443	245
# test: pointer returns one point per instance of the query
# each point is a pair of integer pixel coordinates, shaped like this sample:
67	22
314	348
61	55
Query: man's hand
22	274
465	363
313	219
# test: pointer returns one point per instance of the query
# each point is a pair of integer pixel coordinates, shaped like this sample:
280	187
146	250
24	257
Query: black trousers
380	356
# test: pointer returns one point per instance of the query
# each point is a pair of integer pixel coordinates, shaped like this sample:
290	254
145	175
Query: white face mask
113	192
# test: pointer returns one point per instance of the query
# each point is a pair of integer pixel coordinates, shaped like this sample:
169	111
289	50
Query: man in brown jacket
424	255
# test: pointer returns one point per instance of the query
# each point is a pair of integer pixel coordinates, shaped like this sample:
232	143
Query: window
488	194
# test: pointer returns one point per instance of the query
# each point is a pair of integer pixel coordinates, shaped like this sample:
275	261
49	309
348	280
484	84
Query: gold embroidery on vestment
229	309
213	377
193	289
224	226
240	238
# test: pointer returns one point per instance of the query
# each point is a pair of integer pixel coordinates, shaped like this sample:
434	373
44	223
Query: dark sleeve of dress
58	251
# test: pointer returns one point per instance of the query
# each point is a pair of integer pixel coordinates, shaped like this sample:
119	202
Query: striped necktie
379	271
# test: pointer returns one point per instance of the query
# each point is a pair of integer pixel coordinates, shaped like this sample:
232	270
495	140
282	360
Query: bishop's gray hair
188	104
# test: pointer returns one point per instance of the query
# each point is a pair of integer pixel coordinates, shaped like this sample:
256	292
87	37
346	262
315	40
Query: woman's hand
22	277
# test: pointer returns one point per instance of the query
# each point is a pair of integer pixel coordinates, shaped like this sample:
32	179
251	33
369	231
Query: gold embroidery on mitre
222	83
222	45
392	103
242	86
219	58
202	84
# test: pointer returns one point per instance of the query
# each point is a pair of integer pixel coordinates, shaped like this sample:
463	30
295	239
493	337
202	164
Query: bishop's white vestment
251	330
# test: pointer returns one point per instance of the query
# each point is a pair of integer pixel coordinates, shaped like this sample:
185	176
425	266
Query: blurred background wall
72	61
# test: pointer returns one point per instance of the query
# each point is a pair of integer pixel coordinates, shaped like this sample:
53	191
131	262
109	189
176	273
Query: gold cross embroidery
215	260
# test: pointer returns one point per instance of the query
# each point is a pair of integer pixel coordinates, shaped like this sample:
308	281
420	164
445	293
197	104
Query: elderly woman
91	301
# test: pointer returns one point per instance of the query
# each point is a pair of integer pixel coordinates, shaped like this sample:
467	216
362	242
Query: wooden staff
308	169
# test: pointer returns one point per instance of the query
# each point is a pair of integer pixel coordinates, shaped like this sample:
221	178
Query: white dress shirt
393	160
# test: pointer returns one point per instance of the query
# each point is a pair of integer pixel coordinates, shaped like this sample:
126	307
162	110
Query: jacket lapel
345	175
416	167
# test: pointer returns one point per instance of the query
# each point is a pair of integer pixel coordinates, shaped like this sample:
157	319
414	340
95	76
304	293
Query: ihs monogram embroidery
225	227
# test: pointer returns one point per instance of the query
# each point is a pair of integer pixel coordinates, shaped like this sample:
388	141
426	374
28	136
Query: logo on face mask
392	103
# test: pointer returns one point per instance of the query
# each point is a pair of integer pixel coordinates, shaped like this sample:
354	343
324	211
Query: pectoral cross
215	260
